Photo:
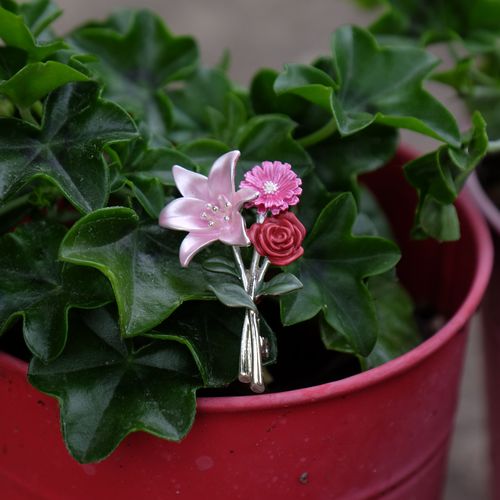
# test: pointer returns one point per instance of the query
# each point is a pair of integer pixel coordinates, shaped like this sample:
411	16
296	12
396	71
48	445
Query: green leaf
204	152
39	14
231	294
438	178
213	335
212	332
219	264
398	329
36	80
145	163
333	269
138	56
142	263
206	106
340	160
441	20
15	33
279	285
150	194
67	149
439	221
107	389
41	290
390	92
308	82
265	100
270	138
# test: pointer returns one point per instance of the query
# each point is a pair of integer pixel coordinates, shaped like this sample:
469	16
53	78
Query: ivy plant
92	125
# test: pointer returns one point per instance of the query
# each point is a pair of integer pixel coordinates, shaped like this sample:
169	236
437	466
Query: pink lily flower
209	209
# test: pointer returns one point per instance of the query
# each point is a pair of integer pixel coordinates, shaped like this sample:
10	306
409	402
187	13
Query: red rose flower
279	238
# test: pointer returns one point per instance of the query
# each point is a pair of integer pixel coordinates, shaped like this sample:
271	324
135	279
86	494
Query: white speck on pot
89	469
204	463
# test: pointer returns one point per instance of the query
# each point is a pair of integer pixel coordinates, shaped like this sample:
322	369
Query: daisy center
270	187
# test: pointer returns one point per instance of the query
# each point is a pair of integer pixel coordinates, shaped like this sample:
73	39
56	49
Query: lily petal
190	184
221	176
192	244
184	214
243	195
235	232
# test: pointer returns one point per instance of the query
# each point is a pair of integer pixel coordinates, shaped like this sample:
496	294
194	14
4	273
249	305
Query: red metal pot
383	433
490	319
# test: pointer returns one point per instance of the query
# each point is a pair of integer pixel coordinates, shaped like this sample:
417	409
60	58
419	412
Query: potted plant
114	139
471	33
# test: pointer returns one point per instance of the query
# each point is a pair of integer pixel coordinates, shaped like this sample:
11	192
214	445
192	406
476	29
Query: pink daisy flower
277	184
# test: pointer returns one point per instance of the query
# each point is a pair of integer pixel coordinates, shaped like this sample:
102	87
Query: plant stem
319	135
27	116
12	205
494	146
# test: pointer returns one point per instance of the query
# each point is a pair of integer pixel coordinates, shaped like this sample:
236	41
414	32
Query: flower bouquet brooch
211	210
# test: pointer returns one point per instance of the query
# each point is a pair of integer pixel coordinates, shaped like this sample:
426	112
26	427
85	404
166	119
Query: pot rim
484	250
483	201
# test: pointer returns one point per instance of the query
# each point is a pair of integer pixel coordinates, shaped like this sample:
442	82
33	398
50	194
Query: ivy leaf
150	194
270	138
138	56
308	82
213	334
36	80
204	152
15	33
261	138
66	150
333	269
39	14
279	285
107	389
398	329
41	290
340	160
390	93
142	263
206	106
145	163
431	21
438	178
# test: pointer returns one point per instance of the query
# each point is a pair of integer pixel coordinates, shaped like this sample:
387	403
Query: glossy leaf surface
108	389
332	271
37	287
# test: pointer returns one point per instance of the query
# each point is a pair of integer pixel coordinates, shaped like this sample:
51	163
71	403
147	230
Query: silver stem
241	267
257	382
262	272
251	341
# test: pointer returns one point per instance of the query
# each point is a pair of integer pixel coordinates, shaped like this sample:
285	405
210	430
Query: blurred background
270	33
